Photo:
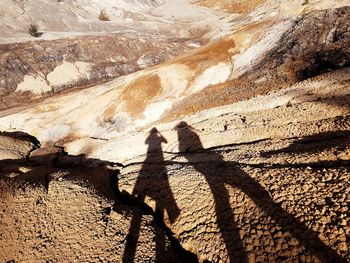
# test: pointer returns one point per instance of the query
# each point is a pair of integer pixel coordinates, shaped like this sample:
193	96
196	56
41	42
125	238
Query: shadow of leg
228	229
132	237
203	160
214	175
160	246
284	219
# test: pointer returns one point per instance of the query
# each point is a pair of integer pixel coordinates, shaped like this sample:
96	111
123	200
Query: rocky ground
124	149
212	189
283	198
75	49
32	71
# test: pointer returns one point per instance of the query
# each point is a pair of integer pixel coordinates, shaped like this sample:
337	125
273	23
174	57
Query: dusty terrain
35	70
220	134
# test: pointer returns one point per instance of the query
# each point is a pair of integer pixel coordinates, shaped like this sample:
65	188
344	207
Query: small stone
343	246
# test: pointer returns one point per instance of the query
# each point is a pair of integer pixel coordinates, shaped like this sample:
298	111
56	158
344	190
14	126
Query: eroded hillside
220	134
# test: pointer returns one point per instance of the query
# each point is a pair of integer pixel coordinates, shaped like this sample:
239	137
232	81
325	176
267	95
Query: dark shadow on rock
153	183
37	170
218	173
189	143
316	142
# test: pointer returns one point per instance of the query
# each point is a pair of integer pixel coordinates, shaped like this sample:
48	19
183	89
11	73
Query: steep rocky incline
219	73
82	51
283	57
236	151
277	195
38	69
76	49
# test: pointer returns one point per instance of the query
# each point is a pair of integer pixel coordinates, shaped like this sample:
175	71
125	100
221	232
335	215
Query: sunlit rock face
40	69
253	60
83	50
219	134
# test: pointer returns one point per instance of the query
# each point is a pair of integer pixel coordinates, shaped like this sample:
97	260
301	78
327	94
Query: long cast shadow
153	183
215	171
316	142
189	143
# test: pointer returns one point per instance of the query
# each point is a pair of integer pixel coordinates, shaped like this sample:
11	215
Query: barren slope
139	34
77	50
219	73
132	146
262	180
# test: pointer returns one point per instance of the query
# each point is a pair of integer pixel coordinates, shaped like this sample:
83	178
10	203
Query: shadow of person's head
154	131
181	125
155	140
188	139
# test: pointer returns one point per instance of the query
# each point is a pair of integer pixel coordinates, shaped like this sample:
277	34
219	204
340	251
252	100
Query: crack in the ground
97	138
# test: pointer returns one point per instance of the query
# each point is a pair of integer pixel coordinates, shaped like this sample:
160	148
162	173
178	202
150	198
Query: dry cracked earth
220	135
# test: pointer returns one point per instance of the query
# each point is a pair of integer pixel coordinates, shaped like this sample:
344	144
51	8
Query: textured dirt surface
272	200
260	184
283	182
241	212
237	151
64	212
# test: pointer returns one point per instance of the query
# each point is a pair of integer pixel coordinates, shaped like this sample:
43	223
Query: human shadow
189	145
152	183
218	172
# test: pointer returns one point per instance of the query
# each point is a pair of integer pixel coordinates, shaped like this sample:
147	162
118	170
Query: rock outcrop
35	70
16	145
57	214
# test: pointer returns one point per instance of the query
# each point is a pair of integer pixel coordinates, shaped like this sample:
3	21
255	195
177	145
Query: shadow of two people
153	180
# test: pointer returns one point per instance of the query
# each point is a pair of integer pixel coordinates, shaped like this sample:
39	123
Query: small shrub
33	30
103	16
